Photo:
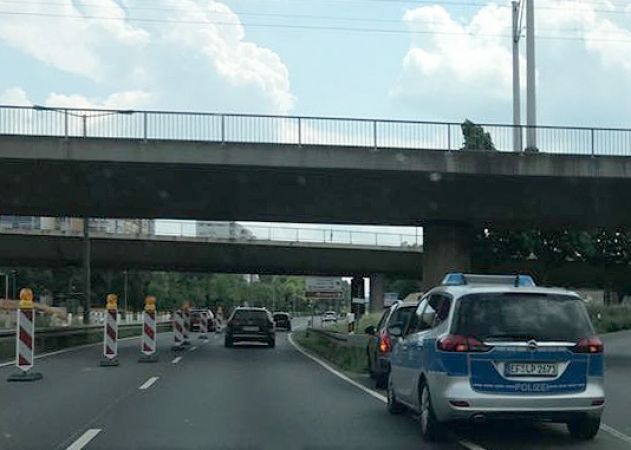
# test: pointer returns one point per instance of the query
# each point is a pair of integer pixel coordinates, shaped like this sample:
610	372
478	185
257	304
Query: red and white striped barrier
25	339
186	311
203	326
110	332
178	331
149	332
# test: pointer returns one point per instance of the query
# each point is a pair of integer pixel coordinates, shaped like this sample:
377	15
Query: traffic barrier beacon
110	333
149	334
25	339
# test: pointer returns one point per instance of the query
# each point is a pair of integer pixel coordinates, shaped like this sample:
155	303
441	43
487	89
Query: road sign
323	284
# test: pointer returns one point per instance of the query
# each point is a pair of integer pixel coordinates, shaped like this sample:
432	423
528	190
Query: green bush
352	359
610	318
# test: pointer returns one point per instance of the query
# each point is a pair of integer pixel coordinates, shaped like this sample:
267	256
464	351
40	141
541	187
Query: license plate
533	369
250	328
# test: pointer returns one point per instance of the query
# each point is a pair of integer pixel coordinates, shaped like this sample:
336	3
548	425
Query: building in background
75	225
222	230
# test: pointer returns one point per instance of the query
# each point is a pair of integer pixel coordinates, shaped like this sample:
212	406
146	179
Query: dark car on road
381	343
196	314
282	320
248	324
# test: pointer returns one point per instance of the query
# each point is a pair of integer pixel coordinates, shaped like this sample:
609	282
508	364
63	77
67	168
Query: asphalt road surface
247	397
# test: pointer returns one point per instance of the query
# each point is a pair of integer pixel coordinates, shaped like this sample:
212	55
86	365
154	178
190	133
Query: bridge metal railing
298	130
232	232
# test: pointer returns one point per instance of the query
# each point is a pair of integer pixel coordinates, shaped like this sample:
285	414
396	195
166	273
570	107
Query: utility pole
531	107
517	146
125	280
86	270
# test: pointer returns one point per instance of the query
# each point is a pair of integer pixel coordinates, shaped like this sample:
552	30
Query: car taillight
460	344
589	345
385	343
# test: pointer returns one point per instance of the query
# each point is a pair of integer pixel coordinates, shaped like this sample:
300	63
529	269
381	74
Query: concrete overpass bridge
305	169
56	248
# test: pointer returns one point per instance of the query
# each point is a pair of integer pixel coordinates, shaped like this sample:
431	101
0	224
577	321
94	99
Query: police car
498	347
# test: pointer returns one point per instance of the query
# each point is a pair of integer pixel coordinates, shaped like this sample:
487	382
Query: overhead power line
302	27
328	17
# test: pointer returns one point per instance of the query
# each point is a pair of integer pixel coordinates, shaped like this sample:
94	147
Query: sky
411	59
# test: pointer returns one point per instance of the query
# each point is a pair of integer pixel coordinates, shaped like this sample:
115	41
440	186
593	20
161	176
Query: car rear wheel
272	343
394	407
430	428
584	428
228	342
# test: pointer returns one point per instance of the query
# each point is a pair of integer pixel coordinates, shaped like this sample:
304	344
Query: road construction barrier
110	333
25	339
186	311
203	326
178	331
149	335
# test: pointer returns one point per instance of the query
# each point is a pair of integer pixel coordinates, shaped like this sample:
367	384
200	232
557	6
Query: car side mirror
395	330
370	330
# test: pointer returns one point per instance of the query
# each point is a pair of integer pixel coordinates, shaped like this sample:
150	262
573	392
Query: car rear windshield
249	314
521	316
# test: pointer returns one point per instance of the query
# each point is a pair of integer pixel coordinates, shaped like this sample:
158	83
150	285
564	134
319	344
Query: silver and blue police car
498	347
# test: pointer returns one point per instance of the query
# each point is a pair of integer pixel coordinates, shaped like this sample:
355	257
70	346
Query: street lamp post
517	147
125	280
531	109
86	270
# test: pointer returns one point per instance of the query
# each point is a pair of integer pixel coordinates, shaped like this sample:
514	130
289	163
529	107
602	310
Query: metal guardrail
354	340
298	130
63	331
256	233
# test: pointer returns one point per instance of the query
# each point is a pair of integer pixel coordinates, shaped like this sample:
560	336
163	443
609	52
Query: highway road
248	397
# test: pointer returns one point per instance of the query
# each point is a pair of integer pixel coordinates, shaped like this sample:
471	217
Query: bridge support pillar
377	291
446	248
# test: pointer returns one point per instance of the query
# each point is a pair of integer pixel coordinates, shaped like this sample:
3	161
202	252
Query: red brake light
460	344
589	345
385	343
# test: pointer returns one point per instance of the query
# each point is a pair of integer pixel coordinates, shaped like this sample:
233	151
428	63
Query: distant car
196	319
479	349
329	316
248	324
282	320
381	343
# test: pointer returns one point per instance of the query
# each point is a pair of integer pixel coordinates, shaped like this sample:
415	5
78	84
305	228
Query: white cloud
451	69
14	96
463	68
198	56
68	43
118	100
238	61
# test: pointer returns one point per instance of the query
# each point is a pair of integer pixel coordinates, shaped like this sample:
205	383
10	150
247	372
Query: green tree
475	138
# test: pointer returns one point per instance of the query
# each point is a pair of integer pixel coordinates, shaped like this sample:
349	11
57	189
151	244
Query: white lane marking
337	372
176	360
147	384
193	348
84	439
463	442
616	433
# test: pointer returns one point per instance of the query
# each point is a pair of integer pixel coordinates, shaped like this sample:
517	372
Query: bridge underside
257	182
